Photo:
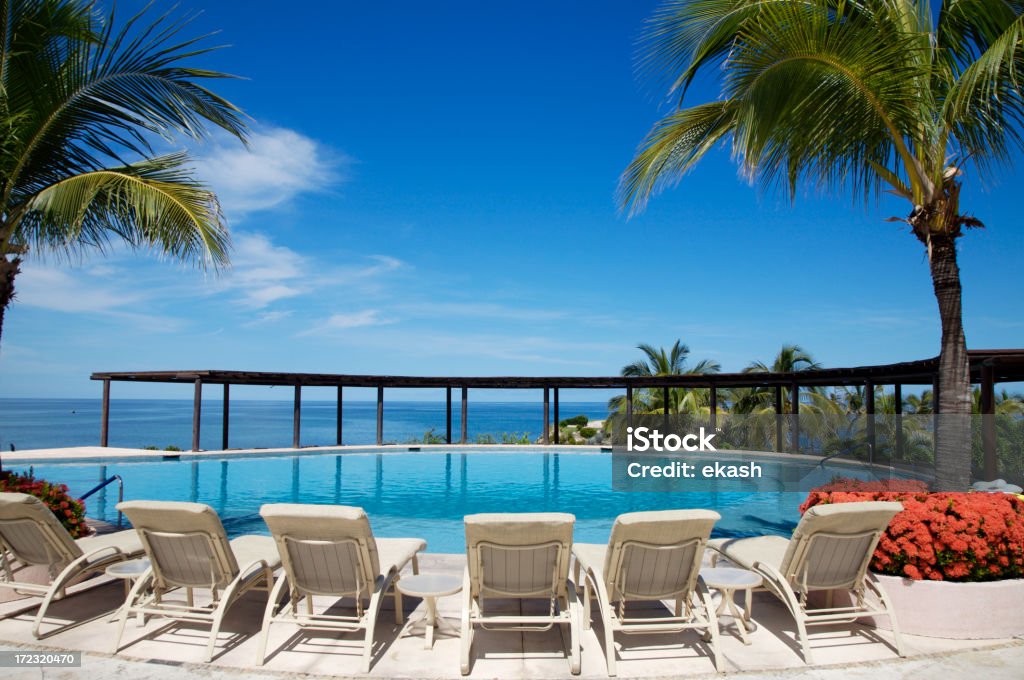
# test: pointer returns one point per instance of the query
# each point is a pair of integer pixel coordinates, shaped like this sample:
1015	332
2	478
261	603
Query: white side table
430	587
727	580
130	571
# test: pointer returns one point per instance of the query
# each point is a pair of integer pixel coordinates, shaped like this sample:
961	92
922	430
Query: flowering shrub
69	511
942	536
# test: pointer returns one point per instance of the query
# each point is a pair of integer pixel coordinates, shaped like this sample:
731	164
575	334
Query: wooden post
547	424
897	400
556	415
713	405
990	466
794	397
297	417
665	409
869	407
448	415
340	404
225	417
197	412
465	414
380	415
778	417
629	406
105	416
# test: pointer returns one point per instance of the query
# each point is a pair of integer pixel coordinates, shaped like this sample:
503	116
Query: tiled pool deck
162	649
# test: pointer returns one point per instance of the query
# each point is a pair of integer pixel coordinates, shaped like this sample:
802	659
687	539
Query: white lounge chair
519	556
188	549
650	556
830	550
31	536
330	550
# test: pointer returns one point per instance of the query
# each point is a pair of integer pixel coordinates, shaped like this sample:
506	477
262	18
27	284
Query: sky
430	190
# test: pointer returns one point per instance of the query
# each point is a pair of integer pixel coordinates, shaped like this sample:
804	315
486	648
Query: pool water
418	494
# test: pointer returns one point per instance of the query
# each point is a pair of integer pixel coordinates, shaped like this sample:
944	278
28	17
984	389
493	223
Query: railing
103	485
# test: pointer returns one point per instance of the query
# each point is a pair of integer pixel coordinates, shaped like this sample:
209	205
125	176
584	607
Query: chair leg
140	587
372	611
268	617
415	565
805	644
399	613
883	598
586	606
466	638
574	631
708	605
57	592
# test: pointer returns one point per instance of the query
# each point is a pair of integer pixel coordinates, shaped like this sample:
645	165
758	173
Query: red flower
951	536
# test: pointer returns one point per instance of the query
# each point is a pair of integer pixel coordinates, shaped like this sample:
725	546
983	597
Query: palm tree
853	96
661	362
790	359
80	105
759	402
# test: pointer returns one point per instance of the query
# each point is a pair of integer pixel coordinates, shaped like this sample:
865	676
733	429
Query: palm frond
670	150
151	204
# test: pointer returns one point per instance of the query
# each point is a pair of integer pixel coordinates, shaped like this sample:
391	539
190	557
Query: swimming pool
423	494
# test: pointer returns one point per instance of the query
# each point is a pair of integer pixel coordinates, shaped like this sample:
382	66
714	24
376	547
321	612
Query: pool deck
163	650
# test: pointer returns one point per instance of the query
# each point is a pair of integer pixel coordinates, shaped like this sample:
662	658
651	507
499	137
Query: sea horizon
53	422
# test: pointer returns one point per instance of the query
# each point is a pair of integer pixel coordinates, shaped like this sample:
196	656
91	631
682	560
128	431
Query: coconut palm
661	362
855	96
790	359
758	403
81	104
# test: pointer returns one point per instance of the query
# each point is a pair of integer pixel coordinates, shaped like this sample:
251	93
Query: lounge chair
188	548
650	556
521	556
830	550
330	550
31	536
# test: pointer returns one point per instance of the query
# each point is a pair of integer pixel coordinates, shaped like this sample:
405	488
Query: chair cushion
744	552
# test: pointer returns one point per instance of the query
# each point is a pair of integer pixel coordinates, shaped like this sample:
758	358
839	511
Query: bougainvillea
942	536
69	511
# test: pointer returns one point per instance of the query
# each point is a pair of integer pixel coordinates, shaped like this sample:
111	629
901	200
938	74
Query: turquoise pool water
423	494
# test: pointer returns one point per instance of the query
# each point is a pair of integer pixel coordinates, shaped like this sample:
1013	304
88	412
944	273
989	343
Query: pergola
988	367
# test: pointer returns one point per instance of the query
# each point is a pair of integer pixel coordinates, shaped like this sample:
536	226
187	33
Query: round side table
129	571
430	587
727	580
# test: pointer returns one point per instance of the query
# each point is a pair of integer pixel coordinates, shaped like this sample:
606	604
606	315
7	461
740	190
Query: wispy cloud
63	291
348	321
263	272
278	165
91	291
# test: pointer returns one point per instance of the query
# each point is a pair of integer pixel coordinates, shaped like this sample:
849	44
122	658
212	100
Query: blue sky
430	190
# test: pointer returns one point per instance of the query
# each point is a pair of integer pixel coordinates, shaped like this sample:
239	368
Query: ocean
135	423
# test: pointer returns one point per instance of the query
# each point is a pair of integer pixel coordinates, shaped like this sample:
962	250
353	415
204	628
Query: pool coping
99	454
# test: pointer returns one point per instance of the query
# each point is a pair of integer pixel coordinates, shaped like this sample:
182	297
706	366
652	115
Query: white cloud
340	322
268	318
263	273
62	291
278	165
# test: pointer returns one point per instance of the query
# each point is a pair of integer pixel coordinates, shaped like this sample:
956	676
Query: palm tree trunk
8	271
953	428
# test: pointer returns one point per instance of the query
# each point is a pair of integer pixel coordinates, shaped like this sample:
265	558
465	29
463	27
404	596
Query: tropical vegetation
852	97
832	421
83	101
